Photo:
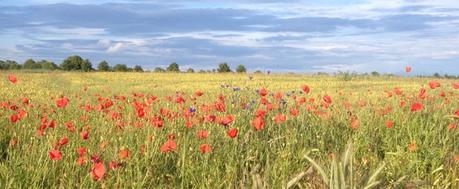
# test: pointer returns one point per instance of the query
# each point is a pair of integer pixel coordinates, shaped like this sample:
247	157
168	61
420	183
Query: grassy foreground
145	130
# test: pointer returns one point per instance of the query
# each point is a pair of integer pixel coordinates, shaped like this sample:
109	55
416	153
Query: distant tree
120	68
138	68
13	65
86	66
159	70
9	65
449	76
190	70
322	73
3	65
258	72
436	75
374	73
103	66
47	65
223	68
72	63
240	68
174	67
29	64
202	71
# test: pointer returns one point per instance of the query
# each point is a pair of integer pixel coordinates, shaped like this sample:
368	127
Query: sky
303	36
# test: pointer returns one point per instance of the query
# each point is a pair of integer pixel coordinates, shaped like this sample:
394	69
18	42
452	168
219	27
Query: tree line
71	63
77	63
222	68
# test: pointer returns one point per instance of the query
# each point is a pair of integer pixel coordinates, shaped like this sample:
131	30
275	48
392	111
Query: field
153	130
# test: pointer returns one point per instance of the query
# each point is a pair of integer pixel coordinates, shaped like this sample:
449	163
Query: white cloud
115	48
104	43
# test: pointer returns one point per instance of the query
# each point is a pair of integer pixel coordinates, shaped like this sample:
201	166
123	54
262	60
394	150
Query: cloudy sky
282	36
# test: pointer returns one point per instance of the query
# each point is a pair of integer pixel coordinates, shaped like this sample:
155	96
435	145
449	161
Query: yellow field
125	147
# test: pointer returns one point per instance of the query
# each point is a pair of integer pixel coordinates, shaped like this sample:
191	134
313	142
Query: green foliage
76	63
240	68
86	66
47	65
159	70
103	66
223	68
30	64
375	73
190	70
173	67
341	173
9	65
138	68
120	68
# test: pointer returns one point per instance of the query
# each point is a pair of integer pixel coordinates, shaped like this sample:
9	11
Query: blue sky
282	36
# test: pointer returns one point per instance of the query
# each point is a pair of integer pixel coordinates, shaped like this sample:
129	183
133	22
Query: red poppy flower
262	92
21	113
412	146
327	99
389	124
62	102
98	171
156	122
434	84
12	78
355	123
456	114
81	151
179	99
84	135
123	154
198	93
416	107
294	112
452	126
14	118
168	146
220	106
263	101
52	124
279	118
69	126
278	95
260	113
232	132
63	141
55	155
210	118
205	148
113	165
258	123
226	120
408	69
455	85
25	100
202	134
305	89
